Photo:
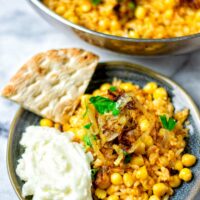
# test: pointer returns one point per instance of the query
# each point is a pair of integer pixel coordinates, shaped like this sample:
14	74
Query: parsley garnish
87	140
94	173
127	157
87	126
168	124
104	105
96	2
112	88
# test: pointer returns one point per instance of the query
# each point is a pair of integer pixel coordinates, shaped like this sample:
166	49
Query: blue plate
105	72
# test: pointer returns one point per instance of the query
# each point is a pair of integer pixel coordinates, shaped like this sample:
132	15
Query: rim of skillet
137	68
51	13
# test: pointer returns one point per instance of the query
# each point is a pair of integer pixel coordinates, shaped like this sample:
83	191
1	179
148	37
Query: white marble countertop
23	33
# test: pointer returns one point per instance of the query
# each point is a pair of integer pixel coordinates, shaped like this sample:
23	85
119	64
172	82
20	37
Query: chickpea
102	180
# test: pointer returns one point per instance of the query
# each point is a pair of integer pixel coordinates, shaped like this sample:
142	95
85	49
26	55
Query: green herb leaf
94	173
87	140
171	124
96	2
131	5
113	88
94	137
127	157
168	124
87	126
104	105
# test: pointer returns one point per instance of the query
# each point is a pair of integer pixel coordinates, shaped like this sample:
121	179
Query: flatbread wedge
50	84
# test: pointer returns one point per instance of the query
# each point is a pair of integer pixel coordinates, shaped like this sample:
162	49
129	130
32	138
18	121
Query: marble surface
23	33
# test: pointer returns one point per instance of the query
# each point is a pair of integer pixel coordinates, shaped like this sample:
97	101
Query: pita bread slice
51	83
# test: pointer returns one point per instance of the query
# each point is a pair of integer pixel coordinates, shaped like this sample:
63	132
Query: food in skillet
136	138
132	18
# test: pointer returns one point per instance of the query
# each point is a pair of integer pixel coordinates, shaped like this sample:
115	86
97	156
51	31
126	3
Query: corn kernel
66	127
140	148
150	87
46	122
116	179
129	198
160	93
137	160
140	12
86	7
142	173
175	181
185	174
58	126
105	87
113	197
168	14
60	10
148	140
198	15
164	161
144	124
188	160
127	86
159	189
74	120
104	24
154	197
115	25
145	196
133	34
73	19
178	165
97	92
128	180
170	3
112	189
100	194
80	133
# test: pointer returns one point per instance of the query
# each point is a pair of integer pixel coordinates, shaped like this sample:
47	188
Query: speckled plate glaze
105	72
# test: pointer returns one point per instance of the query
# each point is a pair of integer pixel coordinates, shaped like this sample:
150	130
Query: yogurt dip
53	167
